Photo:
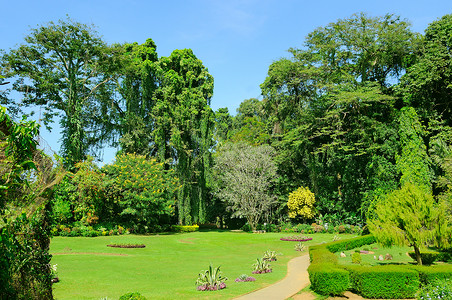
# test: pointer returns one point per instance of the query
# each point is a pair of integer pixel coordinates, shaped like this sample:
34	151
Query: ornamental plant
244	278
261	266
144	190
301	203
269	256
300	247
296	238
211	280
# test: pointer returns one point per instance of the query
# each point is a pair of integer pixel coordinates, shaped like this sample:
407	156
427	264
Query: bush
439	289
301	203
389	282
132	296
328	279
430	274
356	258
185	228
344	245
427	257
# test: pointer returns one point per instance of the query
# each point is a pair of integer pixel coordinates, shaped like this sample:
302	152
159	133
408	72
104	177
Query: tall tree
246	174
427	86
137	87
64	68
183	128
333	110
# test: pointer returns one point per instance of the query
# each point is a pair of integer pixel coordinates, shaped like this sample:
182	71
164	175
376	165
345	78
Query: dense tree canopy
64	68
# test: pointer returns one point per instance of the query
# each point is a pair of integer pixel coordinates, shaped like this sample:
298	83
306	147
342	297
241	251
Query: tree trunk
417	253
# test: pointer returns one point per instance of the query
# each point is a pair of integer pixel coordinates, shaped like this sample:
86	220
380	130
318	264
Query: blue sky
236	40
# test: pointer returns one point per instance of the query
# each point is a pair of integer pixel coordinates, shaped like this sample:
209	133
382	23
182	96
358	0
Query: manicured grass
399	255
168	266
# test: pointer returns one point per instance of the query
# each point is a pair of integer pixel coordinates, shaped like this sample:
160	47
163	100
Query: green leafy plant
439	289
300	247
269	256
244	278
356	257
132	296
211	280
261	266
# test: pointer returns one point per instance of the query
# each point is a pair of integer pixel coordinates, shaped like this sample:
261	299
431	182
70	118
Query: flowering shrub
439	289
261	266
301	203
244	278
211	280
185	228
296	238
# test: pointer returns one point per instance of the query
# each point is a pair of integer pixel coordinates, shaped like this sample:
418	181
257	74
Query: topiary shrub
348	244
328	279
356	258
427	258
428	274
185	228
132	296
388	282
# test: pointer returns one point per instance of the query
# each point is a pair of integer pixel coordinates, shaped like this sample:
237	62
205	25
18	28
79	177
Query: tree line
353	125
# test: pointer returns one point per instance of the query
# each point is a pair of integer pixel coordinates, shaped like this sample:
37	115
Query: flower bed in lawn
126	245
296	238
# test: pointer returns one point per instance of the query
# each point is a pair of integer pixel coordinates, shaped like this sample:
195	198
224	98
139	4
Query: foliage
328	279
300	247
269	256
430	274
389	282
185	228
261	266
132	296
348	244
356	258
65	68
413	161
427	258
439	289
24	252
244	278
301	203
245	175
211	279
409	216
296	238
183	128
332	111
144	190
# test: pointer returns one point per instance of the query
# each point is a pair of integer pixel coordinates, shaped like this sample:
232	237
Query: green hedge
351	243
428	274
328	279
388	282
427	257
185	228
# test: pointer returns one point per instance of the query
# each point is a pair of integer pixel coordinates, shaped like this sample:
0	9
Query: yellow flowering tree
301	203
144	190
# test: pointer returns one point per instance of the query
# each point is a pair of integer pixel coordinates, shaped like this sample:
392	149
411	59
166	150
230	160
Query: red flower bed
296	239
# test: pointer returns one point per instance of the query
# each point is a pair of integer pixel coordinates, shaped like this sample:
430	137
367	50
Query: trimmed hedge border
387	282
391	282
184	228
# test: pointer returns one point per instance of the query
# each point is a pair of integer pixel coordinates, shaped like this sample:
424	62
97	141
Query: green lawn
399	255
168	267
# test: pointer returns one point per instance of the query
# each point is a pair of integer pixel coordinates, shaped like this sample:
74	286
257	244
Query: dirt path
296	279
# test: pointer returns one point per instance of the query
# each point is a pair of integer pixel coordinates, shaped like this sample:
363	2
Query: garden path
296	279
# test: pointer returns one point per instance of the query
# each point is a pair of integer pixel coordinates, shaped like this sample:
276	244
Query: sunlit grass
168	267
